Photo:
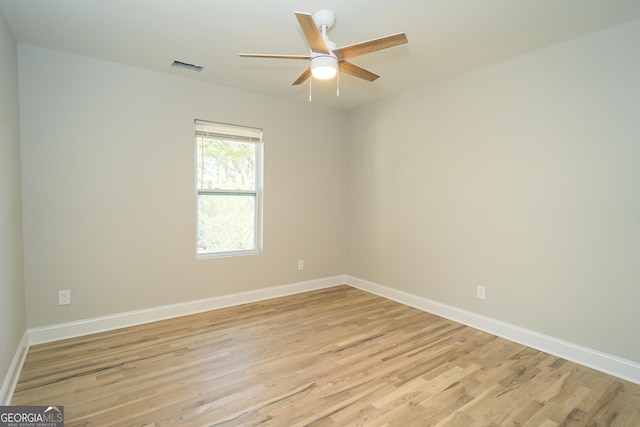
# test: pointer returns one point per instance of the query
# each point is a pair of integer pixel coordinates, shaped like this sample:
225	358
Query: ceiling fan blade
356	71
304	76
362	48
276	56
311	32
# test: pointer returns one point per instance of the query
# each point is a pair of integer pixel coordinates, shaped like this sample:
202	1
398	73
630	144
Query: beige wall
523	177
12	304
108	188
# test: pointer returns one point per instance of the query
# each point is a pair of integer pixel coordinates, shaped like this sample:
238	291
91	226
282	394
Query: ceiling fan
325	58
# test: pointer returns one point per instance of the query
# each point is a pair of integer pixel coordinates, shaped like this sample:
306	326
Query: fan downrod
324	18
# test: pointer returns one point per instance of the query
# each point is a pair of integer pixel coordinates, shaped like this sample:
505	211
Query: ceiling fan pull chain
310	80
338	83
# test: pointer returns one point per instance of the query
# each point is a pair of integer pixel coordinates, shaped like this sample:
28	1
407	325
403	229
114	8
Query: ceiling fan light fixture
325	59
324	67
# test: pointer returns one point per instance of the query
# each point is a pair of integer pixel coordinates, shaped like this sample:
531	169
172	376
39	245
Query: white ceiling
446	37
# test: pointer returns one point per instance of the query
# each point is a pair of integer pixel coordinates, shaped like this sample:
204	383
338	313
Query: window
229	188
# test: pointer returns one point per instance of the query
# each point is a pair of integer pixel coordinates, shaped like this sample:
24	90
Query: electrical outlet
64	297
300	264
481	292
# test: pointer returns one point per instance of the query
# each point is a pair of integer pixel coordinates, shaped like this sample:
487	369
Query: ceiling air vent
188	67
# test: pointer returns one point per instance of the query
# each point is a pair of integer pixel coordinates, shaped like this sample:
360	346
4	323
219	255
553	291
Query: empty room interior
446	232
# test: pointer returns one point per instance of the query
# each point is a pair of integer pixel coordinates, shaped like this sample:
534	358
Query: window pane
226	165
226	222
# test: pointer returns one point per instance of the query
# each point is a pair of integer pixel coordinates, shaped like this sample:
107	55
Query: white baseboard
11	379
612	365
122	320
603	362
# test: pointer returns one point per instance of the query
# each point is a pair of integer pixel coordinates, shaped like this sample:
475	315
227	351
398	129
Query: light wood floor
334	357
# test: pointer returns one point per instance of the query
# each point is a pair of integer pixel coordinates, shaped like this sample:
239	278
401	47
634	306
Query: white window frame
236	133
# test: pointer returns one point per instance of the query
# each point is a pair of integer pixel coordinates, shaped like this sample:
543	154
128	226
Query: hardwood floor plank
333	357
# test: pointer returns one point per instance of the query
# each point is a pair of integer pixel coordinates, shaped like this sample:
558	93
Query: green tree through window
229	188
